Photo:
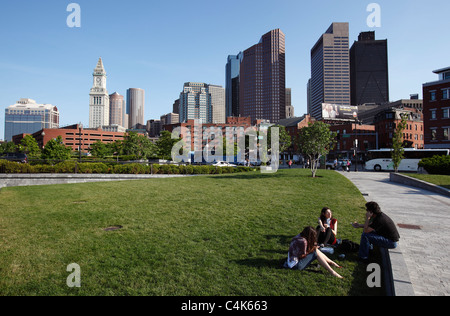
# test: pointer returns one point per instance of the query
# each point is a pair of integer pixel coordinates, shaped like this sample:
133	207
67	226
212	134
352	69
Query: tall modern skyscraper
369	70
289	106
330	69
232	84
116	109
28	117
217	104
135	107
99	98
262	86
201	101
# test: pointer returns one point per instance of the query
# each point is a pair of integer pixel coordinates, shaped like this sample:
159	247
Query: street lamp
356	143
80	126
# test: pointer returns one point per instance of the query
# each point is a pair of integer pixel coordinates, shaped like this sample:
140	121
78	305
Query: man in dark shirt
379	230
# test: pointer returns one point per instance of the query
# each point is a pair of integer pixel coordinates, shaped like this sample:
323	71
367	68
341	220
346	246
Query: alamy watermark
374	18
74	279
207	145
74	18
374	278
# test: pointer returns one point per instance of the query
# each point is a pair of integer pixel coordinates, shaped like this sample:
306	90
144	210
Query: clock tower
99	98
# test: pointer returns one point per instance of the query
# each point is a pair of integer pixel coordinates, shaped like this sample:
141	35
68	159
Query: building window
446	113
433	114
446	94
434	134
433	95
446	133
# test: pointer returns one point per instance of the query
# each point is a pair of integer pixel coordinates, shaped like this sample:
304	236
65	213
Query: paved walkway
421	263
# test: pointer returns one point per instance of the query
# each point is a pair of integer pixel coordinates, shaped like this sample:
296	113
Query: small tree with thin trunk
397	143
316	141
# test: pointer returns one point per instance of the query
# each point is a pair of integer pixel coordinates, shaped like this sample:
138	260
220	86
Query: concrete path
421	264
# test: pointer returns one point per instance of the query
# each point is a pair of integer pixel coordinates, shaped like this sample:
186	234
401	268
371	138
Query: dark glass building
232	85
262	86
369	77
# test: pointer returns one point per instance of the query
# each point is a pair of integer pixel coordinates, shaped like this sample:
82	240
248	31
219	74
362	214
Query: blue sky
159	45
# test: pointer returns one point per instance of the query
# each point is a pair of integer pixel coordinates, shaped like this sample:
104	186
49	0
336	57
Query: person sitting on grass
379	230
303	251
327	229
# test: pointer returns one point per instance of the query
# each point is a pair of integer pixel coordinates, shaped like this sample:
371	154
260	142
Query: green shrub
133	168
436	165
15	167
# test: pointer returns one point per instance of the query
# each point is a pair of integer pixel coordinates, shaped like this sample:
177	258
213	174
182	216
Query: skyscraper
135	107
262	86
289	106
232	84
369	70
28	117
217	104
116	109
201	101
330	69
99	98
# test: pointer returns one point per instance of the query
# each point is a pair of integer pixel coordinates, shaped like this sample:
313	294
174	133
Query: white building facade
204	102
99	98
28	117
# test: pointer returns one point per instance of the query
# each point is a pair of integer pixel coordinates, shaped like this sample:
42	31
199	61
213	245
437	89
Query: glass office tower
28	117
232	84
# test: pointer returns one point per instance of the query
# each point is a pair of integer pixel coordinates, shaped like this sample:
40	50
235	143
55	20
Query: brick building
237	124
387	121
347	133
436	111
71	136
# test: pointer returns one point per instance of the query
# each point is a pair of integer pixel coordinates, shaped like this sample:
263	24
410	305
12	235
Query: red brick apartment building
436	111
71	136
347	133
387	121
236	123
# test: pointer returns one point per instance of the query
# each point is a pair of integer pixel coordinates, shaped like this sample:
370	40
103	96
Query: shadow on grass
263	176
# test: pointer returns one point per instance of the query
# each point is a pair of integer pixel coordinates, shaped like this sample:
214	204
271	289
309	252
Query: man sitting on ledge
379	230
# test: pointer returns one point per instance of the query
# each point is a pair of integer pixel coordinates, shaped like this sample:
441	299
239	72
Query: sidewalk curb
402	179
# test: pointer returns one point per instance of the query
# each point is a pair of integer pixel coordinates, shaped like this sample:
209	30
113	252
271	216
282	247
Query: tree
316	141
397	143
165	144
30	146
8	147
139	146
55	149
285	138
101	150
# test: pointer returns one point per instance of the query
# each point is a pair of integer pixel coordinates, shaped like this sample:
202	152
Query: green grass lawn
441	180
207	235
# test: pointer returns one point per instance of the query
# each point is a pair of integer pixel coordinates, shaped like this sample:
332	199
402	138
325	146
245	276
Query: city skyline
46	60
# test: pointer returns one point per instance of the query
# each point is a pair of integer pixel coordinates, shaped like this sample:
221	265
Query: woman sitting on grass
303	251
327	229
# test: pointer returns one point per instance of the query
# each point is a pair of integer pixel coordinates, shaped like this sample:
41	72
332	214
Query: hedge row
89	168
436	165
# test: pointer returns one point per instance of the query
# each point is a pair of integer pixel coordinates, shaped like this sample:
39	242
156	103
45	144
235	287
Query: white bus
381	160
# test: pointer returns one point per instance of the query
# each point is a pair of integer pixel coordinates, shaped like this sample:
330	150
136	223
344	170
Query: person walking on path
379	230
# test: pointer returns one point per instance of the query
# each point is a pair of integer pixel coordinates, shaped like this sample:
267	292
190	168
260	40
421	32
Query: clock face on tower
99	80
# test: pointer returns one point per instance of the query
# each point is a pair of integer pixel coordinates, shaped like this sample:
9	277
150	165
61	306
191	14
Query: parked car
223	164
16	157
330	165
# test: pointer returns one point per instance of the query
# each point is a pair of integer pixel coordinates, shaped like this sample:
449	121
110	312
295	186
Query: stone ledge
14	180
402	179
